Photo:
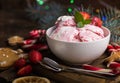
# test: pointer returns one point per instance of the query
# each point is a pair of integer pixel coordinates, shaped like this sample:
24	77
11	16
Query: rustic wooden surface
70	77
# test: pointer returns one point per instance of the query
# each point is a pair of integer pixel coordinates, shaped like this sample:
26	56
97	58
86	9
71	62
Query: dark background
21	4
13	20
14	10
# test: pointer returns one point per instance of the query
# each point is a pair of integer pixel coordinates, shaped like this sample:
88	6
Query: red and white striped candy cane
37	33
34	34
93	68
29	41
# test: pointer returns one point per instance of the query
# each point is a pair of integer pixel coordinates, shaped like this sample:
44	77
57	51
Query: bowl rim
109	33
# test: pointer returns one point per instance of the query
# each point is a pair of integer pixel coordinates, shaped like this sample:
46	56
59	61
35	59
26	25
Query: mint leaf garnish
87	21
80	24
79	19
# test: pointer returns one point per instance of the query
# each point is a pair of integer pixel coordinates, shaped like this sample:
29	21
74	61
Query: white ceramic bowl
80	52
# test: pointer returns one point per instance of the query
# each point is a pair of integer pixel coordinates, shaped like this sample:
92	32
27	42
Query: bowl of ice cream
77	45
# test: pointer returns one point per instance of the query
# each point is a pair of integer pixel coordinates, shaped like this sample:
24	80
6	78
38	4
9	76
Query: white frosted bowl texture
78	52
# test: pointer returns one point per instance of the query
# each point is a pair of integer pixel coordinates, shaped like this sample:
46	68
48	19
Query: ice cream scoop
66	30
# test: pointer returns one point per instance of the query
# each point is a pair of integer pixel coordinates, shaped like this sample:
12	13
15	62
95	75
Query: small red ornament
29	41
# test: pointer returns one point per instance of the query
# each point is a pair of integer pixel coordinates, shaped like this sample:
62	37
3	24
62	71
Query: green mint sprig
80	19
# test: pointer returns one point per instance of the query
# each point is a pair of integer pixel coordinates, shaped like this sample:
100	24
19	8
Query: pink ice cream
66	30
65	21
90	33
65	33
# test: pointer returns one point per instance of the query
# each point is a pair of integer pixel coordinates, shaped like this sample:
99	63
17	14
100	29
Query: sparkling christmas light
40	2
46	7
104	18
97	10
72	1
70	10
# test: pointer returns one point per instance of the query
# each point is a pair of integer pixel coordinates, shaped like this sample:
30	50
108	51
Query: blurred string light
47	7
70	9
97	11
72	1
103	17
40	2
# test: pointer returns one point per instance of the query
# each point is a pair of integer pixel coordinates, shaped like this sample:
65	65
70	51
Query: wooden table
12	24
70	77
63	77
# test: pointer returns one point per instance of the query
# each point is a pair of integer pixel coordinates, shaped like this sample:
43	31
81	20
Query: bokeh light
40	2
72	1
70	10
46	7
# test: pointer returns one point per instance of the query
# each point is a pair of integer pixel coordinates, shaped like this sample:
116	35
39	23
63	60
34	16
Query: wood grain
73	77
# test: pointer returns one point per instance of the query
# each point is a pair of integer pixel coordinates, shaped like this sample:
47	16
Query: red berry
20	63
35	56
24	70
85	15
96	21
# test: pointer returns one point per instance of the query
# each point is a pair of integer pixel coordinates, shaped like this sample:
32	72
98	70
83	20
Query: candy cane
34	33
29	41
37	33
93	68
